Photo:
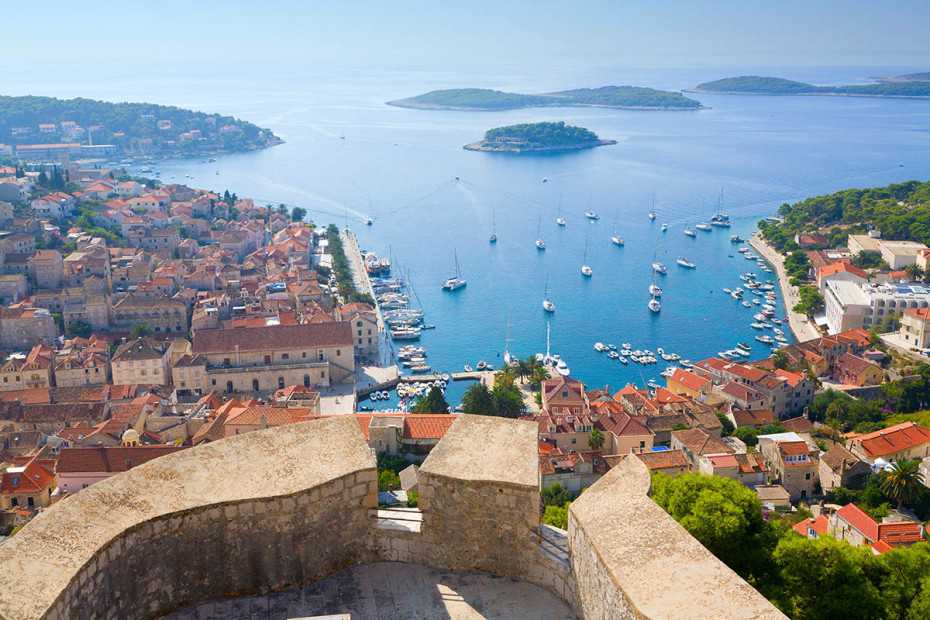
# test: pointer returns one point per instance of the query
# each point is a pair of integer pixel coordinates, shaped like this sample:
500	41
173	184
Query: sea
348	157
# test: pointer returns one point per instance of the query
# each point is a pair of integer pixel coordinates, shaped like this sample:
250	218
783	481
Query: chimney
263	421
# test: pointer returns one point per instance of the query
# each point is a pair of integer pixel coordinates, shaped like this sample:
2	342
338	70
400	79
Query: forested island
537	138
128	128
899	211
623	97
756	85
907	77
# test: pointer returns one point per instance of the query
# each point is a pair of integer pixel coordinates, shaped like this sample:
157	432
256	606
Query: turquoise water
398	166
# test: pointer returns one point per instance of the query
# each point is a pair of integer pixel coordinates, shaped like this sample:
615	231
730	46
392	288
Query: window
304	355
31	501
322	374
807	476
338	352
254	385
574	440
225	361
280	383
267	359
642	444
306	380
285	356
229	386
14	502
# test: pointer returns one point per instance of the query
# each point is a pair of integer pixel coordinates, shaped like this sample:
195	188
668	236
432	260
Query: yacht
652	214
616	238
735	239
664	227
591	215
560	220
654	290
765	339
690	232
585	269
457	281
493	237
600	347
684	262
547	305
540	244
654	305
656	265
703	226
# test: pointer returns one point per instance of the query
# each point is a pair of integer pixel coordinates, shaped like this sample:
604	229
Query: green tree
812	568
59	322
780	359
508	401
524	369
555	495
433	402
902	482
596	439
141	330
749	436
728	426
43	179
556	516
80	329
915	272
387	478
811	302
905	582
298	214
479	400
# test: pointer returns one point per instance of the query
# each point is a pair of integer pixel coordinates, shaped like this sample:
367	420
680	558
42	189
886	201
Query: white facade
851	306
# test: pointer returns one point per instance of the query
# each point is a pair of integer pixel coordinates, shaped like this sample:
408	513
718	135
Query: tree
902	482
555	495
43	179
388	478
749	436
59	322
780	359
141	330
728	426
810	569
556	516
478	400
433	402
905	581
915	272
80	329
298	214
282	209
596	439
811	302
524	369
508	401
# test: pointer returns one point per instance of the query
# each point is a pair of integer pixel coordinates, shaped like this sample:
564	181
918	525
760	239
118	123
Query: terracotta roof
109	459
838	458
793	448
843	266
139	349
819	525
63	412
860	520
799	424
752	417
272	338
854	363
688	379
31	478
699	442
274	416
893	439
664	459
920	313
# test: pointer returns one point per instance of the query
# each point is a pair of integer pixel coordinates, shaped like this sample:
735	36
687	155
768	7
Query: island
621	97
907	77
756	85
537	138
40	128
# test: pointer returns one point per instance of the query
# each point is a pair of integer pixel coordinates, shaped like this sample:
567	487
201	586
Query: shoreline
741	92
486	147
416	105
800	325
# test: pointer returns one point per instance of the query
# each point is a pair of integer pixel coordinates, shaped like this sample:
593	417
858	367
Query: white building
898	254
849	305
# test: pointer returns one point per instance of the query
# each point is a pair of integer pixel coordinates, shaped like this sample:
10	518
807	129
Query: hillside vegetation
899	211
546	134
757	85
104	121
605	96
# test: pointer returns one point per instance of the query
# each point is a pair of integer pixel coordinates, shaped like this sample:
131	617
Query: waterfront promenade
801	327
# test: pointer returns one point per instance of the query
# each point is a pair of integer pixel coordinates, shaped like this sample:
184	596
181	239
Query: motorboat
652	214
617	240
493	238
664	227
735	239
743	345
600	347
623	360
765	339
586	271
612	347
468	368
613	355
481	365
736	295
561	221
659	268
626	346
746	304
540	244
757	325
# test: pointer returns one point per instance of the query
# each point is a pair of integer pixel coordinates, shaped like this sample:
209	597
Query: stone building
23	372
792	463
265	359
855	526
23	327
841	468
166	315
47	267
907	440
141	361
77	369
28	487
78	468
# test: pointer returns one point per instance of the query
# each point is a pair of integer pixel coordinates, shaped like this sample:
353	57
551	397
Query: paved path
390	590
801	327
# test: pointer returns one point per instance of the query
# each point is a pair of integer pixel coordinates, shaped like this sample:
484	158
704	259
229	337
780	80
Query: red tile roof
819	525
860	520
893	439
112	460
920	313
31	478
688	379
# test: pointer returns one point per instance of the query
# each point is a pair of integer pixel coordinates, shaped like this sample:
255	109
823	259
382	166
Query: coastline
741	92
800	325
489	147
416	105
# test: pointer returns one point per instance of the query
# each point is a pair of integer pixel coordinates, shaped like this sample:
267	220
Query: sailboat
585	269
560	220
682	261
457	281
652	212
540	244
494	231
616	238
720	218
547	305
656	265
509	358
550	361
654	305
664	227
690	232
591	215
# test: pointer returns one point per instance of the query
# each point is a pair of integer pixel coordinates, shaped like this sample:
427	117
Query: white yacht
585	269
540	244
654	290
654	305
547	305
457	281
664	227
703	226
684	262
560	220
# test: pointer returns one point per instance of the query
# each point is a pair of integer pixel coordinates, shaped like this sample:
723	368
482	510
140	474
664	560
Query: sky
478	33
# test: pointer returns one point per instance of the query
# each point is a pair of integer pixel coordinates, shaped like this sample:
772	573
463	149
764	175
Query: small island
757	85
906	77
483	99
537	138
38	127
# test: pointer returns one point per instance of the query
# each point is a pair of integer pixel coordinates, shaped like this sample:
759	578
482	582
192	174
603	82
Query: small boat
369	222
540	244
626	346
613	355
690	232
481	365
591	215
493	237
654	305
735	239
765	339
560	220
660	351
545	179
623	360
743	345
612	347
703	226
746	304
659	268
468	368
727	291
756	301
664	227
684	262
600	347
422	368
655	291
652	214
757	325
736	295
547	305
457	281
586	271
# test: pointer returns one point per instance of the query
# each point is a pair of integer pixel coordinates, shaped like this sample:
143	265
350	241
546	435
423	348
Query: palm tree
523	369
533	364
915	272
902	481
507	374
508	401
596	440
141	330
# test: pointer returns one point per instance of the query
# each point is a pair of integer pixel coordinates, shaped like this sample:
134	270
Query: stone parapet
631	560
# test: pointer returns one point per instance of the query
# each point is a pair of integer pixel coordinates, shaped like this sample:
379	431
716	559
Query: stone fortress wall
284	507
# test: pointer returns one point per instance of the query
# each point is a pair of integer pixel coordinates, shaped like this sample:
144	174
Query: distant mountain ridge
757	85
623	97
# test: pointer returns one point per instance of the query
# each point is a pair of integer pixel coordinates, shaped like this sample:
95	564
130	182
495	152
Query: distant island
623	97
38	128
907	77
756	85
537	138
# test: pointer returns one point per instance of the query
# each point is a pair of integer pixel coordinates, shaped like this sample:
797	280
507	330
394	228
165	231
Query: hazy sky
380	32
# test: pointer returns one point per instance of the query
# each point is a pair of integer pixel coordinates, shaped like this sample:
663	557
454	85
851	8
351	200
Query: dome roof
130	435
